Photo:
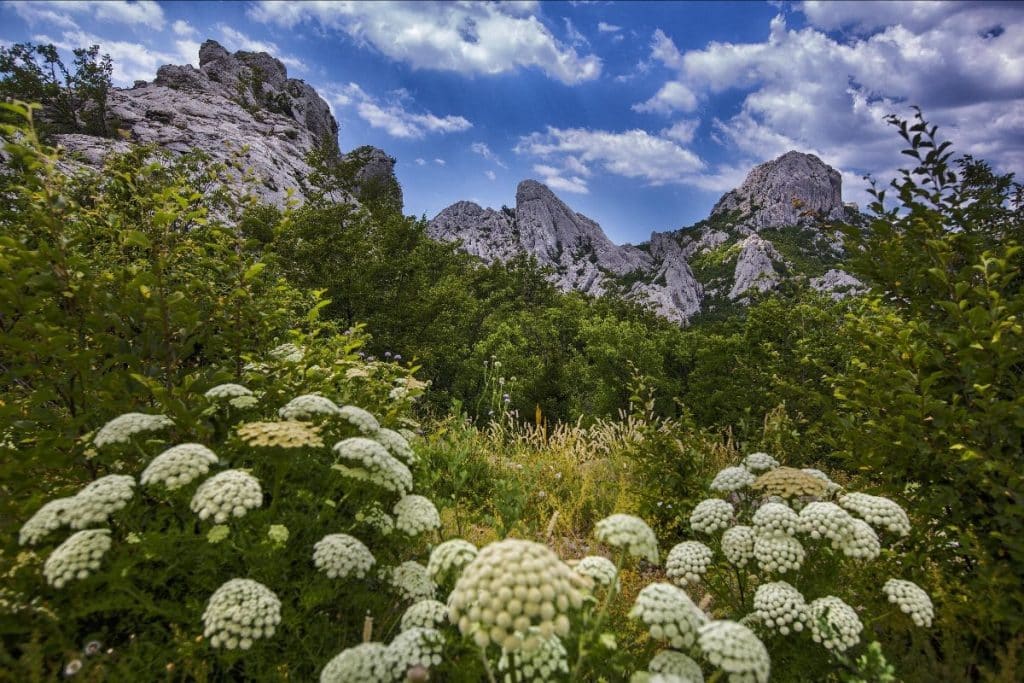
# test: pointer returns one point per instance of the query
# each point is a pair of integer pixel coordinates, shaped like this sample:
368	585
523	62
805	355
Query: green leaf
254	270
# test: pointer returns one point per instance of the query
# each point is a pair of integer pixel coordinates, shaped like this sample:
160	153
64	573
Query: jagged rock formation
751	242
231	101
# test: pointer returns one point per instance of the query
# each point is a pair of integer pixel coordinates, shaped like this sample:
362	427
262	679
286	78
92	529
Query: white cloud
144	13
608	28
183	28
575	38
439	162
234	40
491	175
673	96
34	13
682	130
574	165
483	150
469	38
393	116
421	162
132	61
552	177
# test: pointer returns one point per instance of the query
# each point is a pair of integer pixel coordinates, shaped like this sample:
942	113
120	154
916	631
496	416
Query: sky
638	115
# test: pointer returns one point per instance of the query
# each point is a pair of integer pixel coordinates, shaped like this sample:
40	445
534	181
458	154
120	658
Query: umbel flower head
777	552
687	562
543	663
677	666
776	517
711	515
738	544
833	623
229	390
285	434
123	427
735	649
307	406
760	462
425	613
52	516
788	483
826	520
599	569
415	515
511	586
911	600
416	646
231	493
97	501
669	614
396	444
448	560
366	459
364	663
179	465
287	352
628	533
341	556
375	518
77	557
781	607
863	542
878	512
732	479
361	419
412	582
239	612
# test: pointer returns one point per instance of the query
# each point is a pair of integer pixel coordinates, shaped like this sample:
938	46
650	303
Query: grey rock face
790	190
754	267
680	297
838	284
485	233
378	169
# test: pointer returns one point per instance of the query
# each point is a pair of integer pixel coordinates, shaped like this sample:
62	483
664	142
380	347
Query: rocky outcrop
755	267
673	292
485	233
796	188
838	284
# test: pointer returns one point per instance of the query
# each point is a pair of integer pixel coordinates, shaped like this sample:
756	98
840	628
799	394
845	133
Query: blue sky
639	115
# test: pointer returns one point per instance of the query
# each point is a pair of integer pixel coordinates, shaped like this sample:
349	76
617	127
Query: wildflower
179	465
448	560
92	648
511	586
781	607
243	402
278	534
396	444
77	557
217	533
826	520
361	419
776	517
628	533
341	556
227	391
736	650
122	428
398	393
286	434
777	552
412	582
52	516
676	664
416	514
759	462
416	646
732	479
239	612
72	668
711	515
375	518
738	544
373	463
96	502
288	352
862	543
911	600
669	614
426	613
542	662
687	562
231	493
600	569
306	406
789	483
834	623
364	663
878	511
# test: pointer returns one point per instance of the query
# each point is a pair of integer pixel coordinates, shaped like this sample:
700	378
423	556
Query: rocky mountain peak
794	189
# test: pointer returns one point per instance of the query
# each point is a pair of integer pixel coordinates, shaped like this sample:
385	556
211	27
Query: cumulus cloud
553	178
439	162
468	38
483	150
394	115
145	13
604	27
234	40
673	96
682	131
132	61
183	28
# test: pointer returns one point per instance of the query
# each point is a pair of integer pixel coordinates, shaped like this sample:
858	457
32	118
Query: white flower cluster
377	519
780	606
911	599
364	663
777	552
179	465
77	557
863	542
669	614
306	406
511	586
732	479
398	393
425	613
96	502
735	650
776	517
711	515
541	664
341	556
826	520
287	352
373	463
628	533
52	516
878	512
676	665
600	569
228	390
415	515
412	582
448	560
417	646
363	420
239	612
231	493
687	562
397	445
123	427
760	462
818	474
738	544
834	623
